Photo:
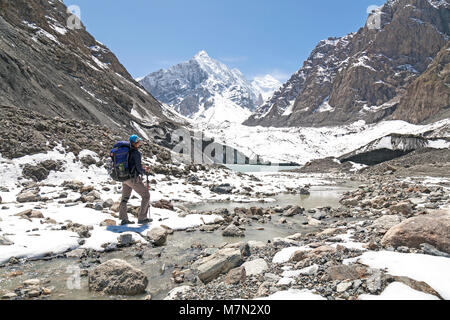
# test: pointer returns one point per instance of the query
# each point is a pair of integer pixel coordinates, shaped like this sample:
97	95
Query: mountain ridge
363	75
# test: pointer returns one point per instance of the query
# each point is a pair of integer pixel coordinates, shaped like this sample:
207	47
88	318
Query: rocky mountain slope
47	67
206	90
369	74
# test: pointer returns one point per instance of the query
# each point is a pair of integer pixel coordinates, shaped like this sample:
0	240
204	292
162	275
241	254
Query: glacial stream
182	247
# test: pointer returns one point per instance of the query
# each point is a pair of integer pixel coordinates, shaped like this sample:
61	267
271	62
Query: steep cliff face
47	67
362	75
428	97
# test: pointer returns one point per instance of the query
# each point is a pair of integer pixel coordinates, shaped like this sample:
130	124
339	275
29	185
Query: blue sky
256	36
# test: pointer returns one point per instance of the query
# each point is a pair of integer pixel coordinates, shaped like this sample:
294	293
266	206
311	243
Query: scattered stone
9	295
108	223
255	267
222	261
222	189
163	204
108	203
296	210
117	277
384	223
125	240
429	249
77	253
236	276
346	272
343	286
178	293
158	236
404	208
232	231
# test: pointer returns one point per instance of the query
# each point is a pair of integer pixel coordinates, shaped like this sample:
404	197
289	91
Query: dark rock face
428	97
365	75
48	68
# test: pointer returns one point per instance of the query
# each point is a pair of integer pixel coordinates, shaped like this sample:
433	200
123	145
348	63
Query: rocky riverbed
258	248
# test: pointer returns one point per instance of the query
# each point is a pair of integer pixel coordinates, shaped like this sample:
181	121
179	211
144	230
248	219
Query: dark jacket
135	163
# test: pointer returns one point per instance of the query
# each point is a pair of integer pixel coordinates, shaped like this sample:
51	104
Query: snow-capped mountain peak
206	90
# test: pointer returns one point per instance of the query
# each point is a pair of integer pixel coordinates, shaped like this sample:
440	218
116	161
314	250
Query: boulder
232	231
222	261
28	196
255	267
433	228
117	277
158	236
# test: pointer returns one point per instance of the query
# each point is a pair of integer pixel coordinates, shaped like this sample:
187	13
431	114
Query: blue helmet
134	138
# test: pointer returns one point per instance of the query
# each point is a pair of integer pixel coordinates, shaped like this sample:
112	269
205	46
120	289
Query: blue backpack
118	169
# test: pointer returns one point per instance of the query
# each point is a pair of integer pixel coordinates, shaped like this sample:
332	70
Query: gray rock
343	286
108	203
429	249
117	277
374	282
255	267
222	261
236	276
125	240
222	189
77	253
232	231
28	196
178	293
387	222
293	211
158	236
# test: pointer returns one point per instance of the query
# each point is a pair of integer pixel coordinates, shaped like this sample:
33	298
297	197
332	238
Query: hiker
135	183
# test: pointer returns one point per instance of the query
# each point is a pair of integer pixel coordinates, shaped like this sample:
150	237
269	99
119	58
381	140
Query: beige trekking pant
137	185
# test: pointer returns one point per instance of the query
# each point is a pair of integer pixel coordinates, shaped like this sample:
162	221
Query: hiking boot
125	222
145	221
